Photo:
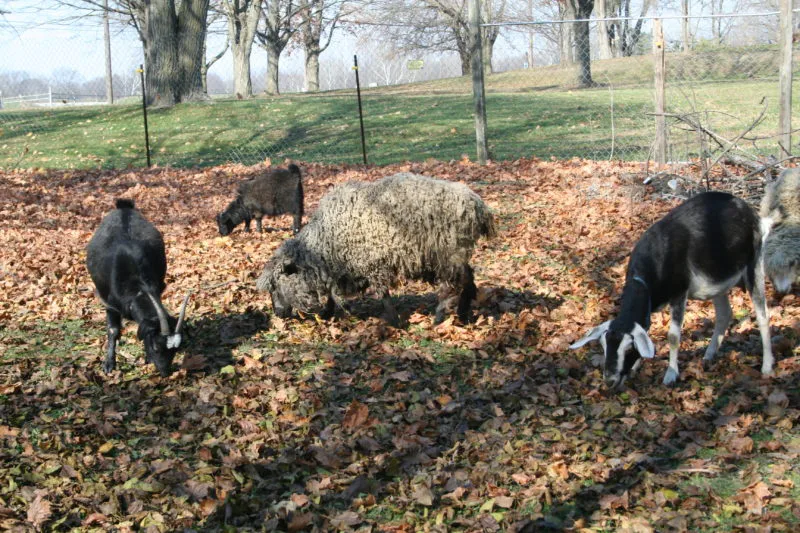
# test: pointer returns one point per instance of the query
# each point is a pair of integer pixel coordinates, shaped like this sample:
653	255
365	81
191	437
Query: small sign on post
414	64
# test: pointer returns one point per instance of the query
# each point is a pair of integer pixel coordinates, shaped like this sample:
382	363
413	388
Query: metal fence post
360	110
785	78
659	79
144	113
478	93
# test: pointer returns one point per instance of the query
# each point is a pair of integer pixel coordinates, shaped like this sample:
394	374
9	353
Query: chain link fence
417	105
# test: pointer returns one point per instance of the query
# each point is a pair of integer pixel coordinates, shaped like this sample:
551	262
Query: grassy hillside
527	117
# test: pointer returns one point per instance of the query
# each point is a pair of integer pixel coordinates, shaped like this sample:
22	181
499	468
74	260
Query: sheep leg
676	309
247	225
258	225
468	293
722	319
754	282
113	326
330	308
389	312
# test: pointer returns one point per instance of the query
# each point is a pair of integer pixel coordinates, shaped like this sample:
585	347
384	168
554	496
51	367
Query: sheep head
294	282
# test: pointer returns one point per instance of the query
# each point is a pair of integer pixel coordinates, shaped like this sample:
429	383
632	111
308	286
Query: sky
41	42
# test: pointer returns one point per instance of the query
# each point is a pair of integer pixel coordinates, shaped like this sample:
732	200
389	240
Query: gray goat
372	234
270	193
127	262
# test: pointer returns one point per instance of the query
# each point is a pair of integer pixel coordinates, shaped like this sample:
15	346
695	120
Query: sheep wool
780	213
405	226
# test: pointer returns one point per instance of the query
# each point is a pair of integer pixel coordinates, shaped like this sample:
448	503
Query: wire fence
720	76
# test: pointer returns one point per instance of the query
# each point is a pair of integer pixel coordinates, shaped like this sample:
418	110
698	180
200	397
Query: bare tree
423	26
278	30
319	20
243	17
215	15
623	35
580	11
172	33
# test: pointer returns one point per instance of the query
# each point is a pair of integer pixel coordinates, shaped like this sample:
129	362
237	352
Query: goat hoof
671	377
108	368
707	364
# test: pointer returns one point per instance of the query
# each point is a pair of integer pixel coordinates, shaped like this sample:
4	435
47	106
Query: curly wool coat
404	226
780	212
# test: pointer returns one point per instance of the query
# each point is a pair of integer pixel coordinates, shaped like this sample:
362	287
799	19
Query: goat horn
182	313
162	315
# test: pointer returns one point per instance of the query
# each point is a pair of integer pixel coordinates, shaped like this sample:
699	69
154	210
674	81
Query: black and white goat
699	250
127	262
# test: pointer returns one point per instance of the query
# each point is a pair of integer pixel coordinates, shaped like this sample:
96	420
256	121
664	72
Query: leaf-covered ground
353	425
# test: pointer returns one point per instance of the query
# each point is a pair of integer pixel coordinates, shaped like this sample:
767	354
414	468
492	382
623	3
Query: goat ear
642	341
592	335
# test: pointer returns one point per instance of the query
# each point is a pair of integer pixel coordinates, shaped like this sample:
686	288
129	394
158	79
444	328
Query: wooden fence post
478	93
659	64
785	78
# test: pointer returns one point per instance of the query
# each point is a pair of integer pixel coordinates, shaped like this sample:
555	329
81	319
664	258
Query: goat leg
677	308
114	326
296	223
258	225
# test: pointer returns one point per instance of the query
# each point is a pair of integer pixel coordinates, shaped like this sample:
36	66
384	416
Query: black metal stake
144	112
360	111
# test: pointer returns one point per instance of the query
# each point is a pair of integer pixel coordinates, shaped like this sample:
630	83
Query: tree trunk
243	16
161	53
204	70
273	58
584	54
242	84
312	69
466	60
107	40
583	9
191	36
567	33
567	44
604	51
685	25
487	47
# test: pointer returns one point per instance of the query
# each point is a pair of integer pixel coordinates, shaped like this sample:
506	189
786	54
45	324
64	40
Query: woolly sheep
780	220
372	234
271	193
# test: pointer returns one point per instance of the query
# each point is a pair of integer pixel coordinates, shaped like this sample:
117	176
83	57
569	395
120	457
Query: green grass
530	113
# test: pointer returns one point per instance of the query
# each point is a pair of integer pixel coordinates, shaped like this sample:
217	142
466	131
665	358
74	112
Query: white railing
49	99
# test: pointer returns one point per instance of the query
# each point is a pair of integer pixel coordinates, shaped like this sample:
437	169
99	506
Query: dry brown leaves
353	425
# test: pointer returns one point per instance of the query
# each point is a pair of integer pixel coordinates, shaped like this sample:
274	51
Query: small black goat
700	250
127	262
271	193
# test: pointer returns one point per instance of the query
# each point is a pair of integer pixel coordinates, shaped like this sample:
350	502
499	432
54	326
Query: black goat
271	193
700	250
127	262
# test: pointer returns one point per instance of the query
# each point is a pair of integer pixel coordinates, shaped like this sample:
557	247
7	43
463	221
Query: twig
771	165
755	123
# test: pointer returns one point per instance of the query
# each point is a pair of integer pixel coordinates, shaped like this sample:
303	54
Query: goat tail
124	203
